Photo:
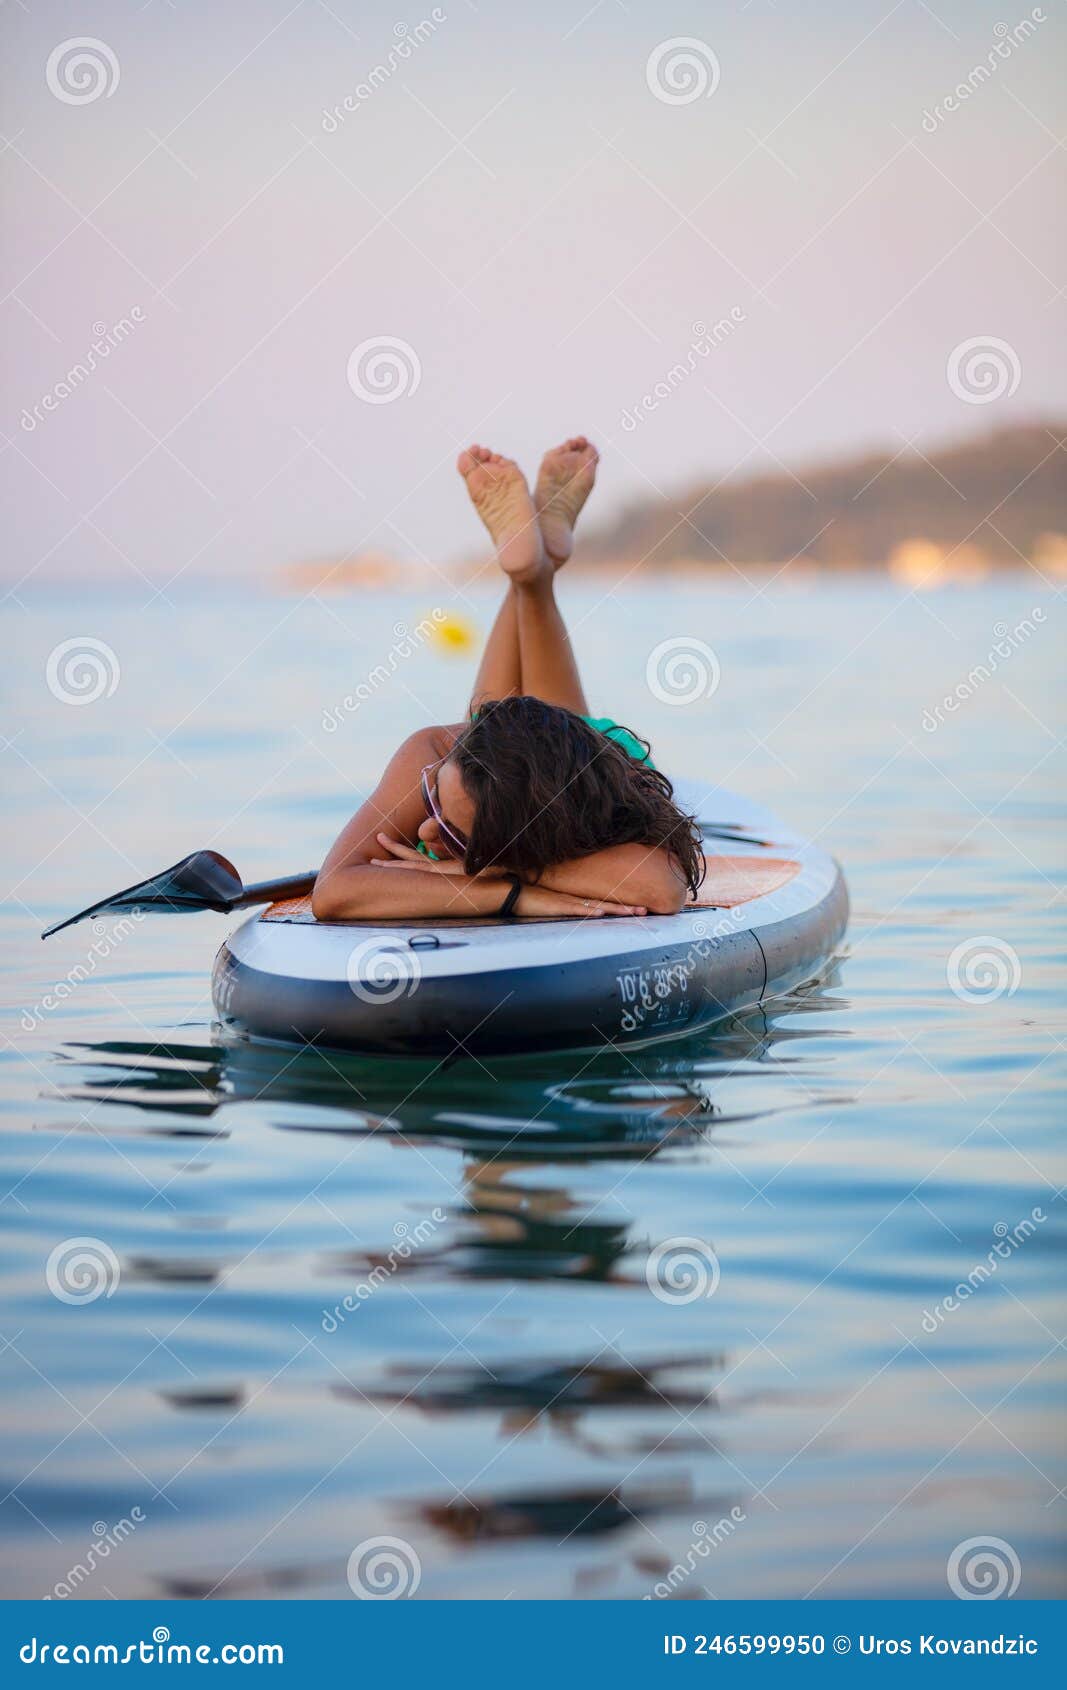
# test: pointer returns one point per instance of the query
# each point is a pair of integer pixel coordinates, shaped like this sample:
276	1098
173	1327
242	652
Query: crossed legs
528	650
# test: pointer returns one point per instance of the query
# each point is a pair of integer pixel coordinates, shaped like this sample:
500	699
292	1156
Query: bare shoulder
396	805
433	743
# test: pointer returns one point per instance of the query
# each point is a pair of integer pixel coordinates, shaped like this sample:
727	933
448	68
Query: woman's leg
529	648
564	482
549	668
500	671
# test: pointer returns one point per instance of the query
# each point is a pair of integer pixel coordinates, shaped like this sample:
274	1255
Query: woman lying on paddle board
531	807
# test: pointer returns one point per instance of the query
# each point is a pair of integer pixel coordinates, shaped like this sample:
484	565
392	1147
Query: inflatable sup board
770	912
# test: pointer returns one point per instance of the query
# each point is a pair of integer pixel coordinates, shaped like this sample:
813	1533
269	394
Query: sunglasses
455	840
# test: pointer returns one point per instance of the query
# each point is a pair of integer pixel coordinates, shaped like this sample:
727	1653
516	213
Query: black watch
508	906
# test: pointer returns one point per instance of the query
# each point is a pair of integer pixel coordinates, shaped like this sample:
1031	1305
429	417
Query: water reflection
562	1515
616	1104
516	1124
538	1421
557	1390
532	1229
568	1400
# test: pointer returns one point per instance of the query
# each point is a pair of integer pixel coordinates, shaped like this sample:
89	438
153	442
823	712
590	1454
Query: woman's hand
406	856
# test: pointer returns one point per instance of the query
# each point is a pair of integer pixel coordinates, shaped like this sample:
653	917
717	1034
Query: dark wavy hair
547	787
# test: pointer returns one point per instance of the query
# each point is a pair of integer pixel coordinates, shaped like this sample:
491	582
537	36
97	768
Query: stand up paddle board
771	910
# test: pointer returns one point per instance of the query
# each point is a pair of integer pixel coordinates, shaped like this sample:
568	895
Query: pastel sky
518	204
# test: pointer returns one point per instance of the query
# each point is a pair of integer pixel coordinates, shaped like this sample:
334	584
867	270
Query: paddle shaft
274	891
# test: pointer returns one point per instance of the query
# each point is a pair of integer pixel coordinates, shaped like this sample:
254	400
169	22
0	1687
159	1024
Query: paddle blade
204	881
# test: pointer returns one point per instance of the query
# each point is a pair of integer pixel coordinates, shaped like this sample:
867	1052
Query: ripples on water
502	1391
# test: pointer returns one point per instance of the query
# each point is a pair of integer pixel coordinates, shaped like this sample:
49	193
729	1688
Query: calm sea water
508	1400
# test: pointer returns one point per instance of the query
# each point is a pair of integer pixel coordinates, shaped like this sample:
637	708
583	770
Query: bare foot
502	499
563	485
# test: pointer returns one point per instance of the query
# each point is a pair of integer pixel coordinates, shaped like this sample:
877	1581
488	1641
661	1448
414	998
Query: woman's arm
634	874
364	892
621	880
379	893
349	885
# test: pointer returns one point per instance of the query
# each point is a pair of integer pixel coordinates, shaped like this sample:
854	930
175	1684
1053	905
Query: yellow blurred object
921	564
454	634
